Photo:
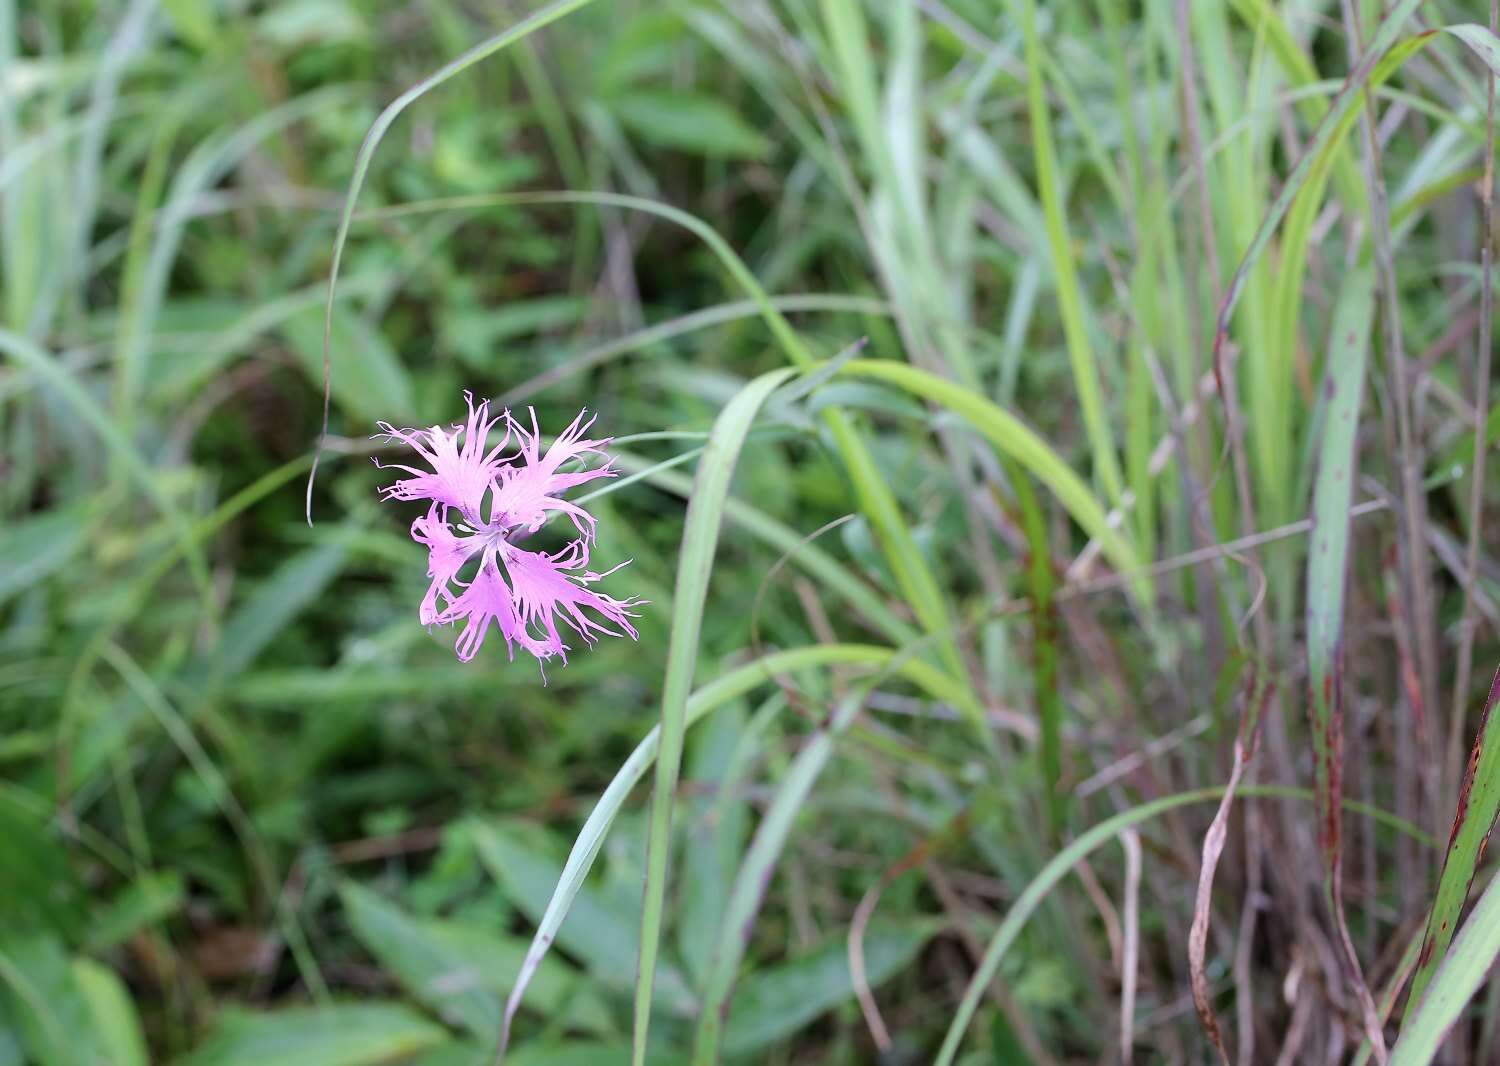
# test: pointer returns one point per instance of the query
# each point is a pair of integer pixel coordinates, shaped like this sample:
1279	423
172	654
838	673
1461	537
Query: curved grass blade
700	538
1463	971
829	573
483	50
1063	863
1021	443
683	324
706	700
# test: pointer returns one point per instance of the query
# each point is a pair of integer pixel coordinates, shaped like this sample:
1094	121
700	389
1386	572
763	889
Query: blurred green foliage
251	811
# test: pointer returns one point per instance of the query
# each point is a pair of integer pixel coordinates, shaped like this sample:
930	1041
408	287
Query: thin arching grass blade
483	50
1021	443
700	538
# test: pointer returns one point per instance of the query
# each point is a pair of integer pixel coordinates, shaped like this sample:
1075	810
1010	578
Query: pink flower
523	593
460	473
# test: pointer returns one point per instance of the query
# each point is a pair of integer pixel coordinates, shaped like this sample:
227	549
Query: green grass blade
755	872
1332	126
684	324
1327	575
481	51
1328	559
1086	374
1464	969
700	538
1478	802
830	574
707	699
1021	443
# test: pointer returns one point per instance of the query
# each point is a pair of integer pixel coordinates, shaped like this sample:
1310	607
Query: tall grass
1041	425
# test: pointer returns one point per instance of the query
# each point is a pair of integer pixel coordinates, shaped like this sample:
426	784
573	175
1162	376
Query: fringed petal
545	592
528	489
462	470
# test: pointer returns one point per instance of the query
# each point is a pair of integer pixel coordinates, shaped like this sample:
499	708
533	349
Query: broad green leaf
348	1034
112	1013
36	546
460	972
450	987
38	890
600	934
268	609
688	121
376	387
52	1017
773	1003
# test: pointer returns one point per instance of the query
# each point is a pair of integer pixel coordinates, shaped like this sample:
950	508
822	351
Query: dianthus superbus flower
479	504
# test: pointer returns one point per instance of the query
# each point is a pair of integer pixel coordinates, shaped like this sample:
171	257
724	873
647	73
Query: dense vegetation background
1004	595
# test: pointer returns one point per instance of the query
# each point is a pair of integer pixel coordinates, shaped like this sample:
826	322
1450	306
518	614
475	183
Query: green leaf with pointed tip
461	973
599	933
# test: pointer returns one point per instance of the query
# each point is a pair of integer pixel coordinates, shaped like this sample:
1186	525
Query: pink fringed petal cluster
523	593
